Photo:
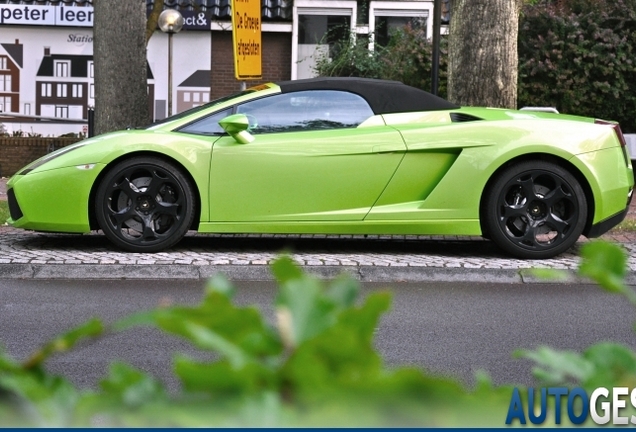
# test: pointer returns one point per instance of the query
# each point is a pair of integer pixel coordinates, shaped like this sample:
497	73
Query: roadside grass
4	212
628	225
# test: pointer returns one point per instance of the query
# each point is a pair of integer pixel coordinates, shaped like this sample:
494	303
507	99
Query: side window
306	110
208	125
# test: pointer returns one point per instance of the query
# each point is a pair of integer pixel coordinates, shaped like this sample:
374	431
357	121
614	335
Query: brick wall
276	62
16	152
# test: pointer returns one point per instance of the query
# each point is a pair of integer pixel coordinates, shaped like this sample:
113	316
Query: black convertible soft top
383	96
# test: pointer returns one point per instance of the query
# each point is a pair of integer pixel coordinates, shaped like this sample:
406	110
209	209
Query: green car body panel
395	173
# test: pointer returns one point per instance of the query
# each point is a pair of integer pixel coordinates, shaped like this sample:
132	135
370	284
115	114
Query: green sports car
337	156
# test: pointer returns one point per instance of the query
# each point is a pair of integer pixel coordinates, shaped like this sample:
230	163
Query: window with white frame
62	90
46	89
5	83
3	63
386	17
61	111
62	68
77	91
317	26
27	109
5	103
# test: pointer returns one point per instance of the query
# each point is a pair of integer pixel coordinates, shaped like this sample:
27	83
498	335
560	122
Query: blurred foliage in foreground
314	366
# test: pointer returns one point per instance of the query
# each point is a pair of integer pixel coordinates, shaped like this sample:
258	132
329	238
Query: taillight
617	129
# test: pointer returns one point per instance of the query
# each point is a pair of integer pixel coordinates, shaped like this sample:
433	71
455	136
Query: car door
315	157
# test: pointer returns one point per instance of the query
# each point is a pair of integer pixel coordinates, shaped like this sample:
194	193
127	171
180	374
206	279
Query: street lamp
171	22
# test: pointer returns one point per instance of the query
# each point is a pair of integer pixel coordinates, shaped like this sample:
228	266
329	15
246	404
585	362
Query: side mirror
237	126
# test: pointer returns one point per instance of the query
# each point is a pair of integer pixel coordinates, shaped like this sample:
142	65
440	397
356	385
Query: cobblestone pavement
380	258
29	254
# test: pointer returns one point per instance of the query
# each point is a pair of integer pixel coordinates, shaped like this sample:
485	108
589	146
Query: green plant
20	133
4	212
406	58
628	225
315	365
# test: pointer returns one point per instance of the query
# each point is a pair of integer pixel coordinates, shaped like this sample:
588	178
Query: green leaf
341	357
557	367
343	291
219	283
605	263
303	310
614	365
131	387
65	342
208	339
224	379
284	270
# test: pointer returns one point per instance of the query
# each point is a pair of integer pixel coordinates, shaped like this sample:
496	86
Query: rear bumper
604	226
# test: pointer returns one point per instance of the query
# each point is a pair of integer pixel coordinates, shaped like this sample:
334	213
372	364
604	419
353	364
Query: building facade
46	52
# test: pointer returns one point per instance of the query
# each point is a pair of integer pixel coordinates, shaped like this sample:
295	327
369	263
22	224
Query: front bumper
54	201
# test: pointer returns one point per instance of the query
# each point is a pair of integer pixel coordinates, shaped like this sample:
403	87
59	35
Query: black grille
461	117
14	208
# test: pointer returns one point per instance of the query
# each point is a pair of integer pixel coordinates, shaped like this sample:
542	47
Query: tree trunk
121	96
483	59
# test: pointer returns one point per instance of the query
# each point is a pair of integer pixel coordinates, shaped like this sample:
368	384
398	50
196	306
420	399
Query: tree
121	98
483	59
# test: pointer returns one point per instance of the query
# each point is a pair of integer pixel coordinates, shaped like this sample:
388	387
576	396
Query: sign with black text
246	34
46	15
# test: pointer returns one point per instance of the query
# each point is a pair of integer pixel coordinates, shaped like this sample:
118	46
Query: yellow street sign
246	34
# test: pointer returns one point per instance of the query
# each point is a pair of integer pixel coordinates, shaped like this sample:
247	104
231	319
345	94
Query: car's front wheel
144	204
535	209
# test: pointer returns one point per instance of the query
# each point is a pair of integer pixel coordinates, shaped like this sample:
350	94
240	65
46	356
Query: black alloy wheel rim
537	210
144	205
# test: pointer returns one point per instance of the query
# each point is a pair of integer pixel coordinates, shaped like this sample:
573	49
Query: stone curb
262	273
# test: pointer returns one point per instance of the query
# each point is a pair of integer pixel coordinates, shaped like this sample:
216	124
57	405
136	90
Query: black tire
144	204
535	210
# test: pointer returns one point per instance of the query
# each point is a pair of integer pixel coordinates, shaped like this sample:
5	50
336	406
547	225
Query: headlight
49	157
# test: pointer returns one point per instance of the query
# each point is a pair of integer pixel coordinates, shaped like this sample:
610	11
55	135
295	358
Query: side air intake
462	117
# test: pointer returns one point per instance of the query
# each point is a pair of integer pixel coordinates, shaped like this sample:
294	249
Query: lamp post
171	22
437	28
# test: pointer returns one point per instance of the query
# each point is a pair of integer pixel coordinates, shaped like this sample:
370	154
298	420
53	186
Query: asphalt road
448	328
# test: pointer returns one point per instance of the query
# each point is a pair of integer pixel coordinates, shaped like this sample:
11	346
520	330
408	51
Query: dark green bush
406	58
580	58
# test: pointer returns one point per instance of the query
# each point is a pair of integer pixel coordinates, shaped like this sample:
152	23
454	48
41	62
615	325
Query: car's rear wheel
535	209
144	204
